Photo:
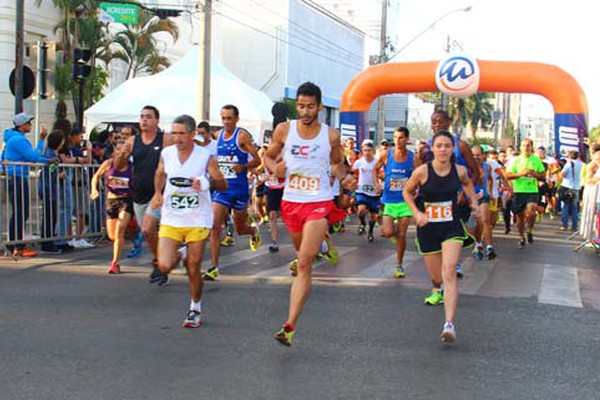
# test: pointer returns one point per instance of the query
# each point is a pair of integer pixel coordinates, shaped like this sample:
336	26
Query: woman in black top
440	233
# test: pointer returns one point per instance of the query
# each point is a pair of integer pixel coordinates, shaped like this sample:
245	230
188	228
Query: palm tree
137	45
480	111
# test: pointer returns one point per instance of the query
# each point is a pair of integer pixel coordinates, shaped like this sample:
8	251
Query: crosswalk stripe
475	275
560	286
235	258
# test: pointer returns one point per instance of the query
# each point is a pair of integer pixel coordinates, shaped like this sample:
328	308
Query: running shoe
337	227
285	335
394	239
228	241
274	247
399	272
211	274
164	280
24	252
155	274
448	333
331	256
255	239
293	266
522	243
478	253
459	272
361	229
490	254
135	252
435	298
193	319
529	237
370	236
114	268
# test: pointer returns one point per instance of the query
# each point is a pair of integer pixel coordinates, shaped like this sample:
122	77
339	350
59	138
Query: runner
234	150
548	187
440	234
309	148
483	229
525	170
186	207
204	139
274	195
367	198
145	149
498	180
398	164
119	206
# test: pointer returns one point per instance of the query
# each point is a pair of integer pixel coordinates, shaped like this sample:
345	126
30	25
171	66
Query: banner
570	131
353	124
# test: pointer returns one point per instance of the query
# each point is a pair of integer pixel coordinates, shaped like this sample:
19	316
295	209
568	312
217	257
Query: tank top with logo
396	176
145	162
120	183
229	153
183	206
308	163
366	185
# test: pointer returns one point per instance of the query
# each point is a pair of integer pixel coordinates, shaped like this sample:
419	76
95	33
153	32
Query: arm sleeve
23	147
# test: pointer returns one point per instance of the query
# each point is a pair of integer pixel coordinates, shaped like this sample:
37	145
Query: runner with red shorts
309	149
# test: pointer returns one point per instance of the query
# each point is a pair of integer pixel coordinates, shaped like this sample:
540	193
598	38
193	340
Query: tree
595	134
137	45
480	111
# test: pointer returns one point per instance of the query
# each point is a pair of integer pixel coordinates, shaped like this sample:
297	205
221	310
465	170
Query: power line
335	48
337	61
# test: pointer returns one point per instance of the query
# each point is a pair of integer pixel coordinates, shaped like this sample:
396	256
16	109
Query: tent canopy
175	92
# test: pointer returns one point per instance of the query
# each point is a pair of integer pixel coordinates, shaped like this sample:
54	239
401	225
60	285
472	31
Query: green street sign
118	12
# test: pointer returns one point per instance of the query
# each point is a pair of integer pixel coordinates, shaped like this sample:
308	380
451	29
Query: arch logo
457	76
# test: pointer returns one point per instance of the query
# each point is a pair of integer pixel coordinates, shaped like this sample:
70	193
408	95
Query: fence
44	203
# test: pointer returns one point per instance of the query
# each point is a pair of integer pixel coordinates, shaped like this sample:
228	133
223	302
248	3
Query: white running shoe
448	333
84	244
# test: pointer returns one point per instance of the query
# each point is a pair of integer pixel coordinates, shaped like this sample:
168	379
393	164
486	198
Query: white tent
175	92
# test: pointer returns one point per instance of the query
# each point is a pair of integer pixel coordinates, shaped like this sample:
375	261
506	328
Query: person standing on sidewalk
17	149
569	189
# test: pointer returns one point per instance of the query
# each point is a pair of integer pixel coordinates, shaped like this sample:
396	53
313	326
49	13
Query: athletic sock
371	225
362	220
196	306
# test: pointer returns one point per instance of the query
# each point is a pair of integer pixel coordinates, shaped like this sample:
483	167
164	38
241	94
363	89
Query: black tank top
438	190
145	162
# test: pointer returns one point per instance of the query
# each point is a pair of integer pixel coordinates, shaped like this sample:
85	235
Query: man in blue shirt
568	193
18	150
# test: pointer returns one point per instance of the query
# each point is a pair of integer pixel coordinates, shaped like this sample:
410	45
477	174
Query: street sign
118	12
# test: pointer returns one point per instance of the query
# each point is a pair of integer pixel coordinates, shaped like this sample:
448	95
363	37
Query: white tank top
308	163
366	185
183	206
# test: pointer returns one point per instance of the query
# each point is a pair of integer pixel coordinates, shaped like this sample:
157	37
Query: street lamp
430	26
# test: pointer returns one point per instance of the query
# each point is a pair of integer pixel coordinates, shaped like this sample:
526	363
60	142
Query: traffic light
81	70
164	13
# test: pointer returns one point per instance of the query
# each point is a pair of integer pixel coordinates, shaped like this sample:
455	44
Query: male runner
145	149
398	164
309	149
367	198
526	170
483	229
186	206
234	149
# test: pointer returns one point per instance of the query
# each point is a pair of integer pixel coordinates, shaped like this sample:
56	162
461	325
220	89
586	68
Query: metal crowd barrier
48	202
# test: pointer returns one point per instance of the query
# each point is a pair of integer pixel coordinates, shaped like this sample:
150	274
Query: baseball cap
21	119
367	141
384	141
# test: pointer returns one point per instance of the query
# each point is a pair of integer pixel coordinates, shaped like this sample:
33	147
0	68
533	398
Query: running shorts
238	200
261	190
274	199
463	211
397	210
520	201
430	237
185	234
115	206
372	202
142	209
295	215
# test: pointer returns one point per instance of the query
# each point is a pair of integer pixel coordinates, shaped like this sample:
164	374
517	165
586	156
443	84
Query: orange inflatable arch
560	88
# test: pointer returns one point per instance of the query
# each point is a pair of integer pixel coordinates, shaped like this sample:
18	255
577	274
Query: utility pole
19	49
380	133
444	96
205	56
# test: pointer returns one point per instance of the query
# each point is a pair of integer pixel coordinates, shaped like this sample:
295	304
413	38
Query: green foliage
291	106
487	141
594	134
95	84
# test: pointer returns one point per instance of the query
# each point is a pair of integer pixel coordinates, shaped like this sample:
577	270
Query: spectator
81	152
568	192
48	191
113	138
18	149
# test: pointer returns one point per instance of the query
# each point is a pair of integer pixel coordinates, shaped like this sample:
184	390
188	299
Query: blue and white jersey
229	153
396	176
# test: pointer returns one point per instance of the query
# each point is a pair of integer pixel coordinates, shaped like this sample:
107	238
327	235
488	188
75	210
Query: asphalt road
70	331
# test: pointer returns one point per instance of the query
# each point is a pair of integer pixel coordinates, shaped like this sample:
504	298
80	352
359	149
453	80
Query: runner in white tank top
309	149
187	214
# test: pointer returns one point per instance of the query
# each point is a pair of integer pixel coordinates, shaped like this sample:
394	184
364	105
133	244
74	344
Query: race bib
368	189
397	184
439	212
118	182
227	171
180	201
308	184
